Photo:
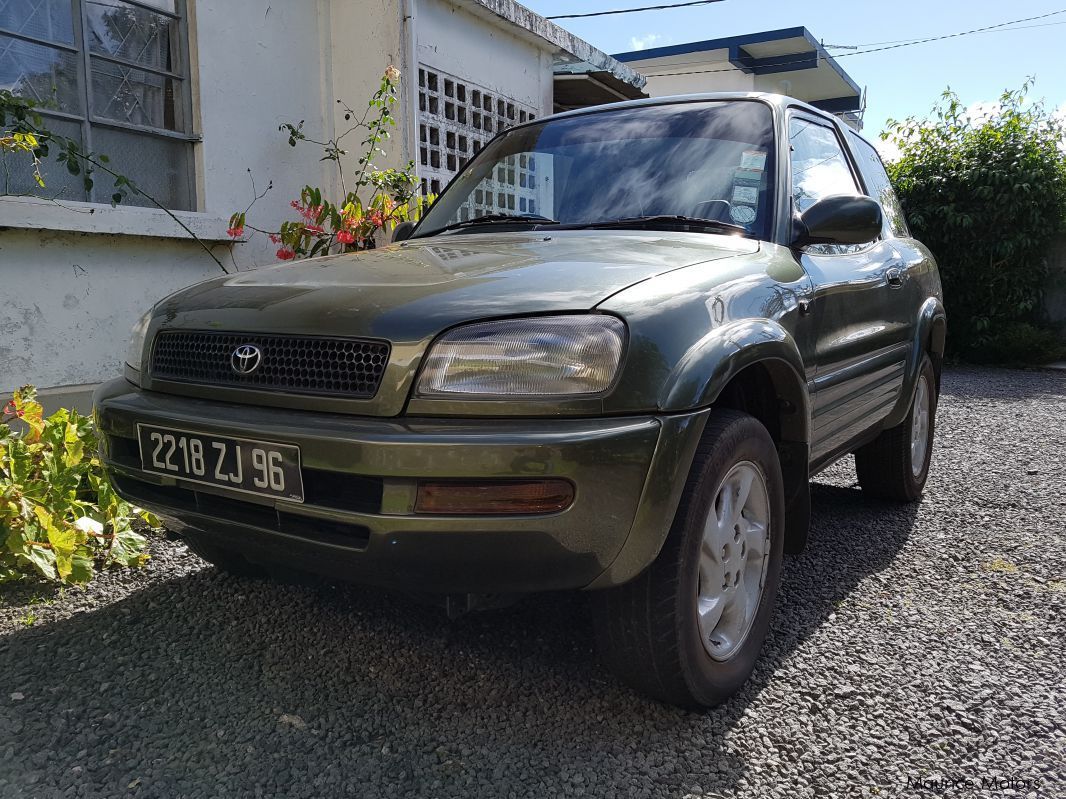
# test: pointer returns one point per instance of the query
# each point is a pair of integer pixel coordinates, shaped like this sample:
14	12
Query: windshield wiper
489	219
664	219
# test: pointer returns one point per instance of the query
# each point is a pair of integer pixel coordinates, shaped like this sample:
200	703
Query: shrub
987	194
59	517
1021	343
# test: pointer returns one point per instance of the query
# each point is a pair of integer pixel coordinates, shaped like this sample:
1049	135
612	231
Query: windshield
706	160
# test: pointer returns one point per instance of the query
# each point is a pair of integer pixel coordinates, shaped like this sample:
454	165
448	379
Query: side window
819	167
873	172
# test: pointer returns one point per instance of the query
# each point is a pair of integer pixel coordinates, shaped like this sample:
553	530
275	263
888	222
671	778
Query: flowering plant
59	517
371	200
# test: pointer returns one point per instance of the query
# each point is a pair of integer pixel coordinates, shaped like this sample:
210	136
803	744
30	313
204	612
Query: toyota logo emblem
246	359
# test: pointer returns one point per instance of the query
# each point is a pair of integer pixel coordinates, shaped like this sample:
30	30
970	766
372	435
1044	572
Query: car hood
410	292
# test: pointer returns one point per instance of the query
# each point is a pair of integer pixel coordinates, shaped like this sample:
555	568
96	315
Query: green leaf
128	547
81	569
43	560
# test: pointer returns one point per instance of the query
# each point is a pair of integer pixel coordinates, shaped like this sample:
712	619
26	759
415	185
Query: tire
895	465
648	631
225	560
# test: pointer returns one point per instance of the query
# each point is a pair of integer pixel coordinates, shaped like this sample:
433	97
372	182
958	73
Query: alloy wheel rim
734	557
920	427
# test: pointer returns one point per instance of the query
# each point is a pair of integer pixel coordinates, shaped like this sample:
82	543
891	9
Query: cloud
645	41
983	110
888	148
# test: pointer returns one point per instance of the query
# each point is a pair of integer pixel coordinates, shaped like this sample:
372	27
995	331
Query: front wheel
895	465
688	630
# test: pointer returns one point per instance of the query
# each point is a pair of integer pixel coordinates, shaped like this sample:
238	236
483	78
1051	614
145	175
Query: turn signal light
493	498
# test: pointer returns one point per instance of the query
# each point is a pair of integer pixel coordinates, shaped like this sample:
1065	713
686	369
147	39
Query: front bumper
360	474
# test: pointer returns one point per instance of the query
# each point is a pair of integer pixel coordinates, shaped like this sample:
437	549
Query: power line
902	41
873	49
634	10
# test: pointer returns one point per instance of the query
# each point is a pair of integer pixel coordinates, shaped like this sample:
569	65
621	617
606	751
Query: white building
787	61
186	96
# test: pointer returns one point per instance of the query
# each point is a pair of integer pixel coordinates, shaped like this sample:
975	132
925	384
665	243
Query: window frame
886	229
796	112
81	51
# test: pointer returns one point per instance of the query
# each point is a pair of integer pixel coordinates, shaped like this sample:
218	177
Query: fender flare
709	365
930	334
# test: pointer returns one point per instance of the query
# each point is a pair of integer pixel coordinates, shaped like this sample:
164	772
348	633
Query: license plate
238	464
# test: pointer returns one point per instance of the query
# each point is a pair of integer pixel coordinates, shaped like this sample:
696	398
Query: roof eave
566	48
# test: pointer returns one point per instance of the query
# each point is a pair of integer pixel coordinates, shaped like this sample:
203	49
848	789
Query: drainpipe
411	78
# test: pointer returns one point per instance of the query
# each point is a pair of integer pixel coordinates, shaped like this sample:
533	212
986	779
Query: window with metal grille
455	120
113	75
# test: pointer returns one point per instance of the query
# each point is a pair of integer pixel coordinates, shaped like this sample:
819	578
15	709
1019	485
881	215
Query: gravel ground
916	643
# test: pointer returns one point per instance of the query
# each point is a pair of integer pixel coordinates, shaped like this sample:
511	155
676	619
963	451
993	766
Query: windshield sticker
748	175
753	159
748	195
742	214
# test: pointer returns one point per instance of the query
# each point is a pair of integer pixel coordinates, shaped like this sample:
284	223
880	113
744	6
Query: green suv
610	358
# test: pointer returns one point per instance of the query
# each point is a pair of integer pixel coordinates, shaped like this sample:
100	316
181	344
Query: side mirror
403	231
842	219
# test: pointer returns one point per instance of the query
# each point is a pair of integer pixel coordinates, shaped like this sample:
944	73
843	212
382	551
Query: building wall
470	71
455	41
729	80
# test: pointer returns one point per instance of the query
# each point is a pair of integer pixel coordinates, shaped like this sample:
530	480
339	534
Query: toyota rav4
610	357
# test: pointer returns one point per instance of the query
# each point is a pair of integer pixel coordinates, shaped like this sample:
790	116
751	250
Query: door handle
895	277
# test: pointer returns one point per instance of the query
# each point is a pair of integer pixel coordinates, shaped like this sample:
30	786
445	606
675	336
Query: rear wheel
895	465
689	629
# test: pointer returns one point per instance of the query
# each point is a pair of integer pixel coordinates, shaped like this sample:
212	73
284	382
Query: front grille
294	364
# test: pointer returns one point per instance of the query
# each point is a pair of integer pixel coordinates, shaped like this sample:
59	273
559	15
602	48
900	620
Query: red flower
377	218
235	232
346	237
296	205
285	254
275	239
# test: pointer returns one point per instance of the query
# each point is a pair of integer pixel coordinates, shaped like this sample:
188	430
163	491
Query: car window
819	169
880	188
819	166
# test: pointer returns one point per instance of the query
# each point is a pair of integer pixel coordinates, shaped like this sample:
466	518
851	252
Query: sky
899	83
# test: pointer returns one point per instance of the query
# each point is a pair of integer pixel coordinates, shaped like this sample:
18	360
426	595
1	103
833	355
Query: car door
860	330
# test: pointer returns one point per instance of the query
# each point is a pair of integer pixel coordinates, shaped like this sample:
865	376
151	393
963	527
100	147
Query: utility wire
870	50
634	10
904	41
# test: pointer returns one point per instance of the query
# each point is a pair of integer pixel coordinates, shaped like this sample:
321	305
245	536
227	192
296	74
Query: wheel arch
739	354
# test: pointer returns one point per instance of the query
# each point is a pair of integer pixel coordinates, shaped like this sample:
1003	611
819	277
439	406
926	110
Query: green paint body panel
839	340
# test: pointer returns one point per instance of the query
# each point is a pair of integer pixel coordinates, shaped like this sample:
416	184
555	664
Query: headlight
538	356
136	348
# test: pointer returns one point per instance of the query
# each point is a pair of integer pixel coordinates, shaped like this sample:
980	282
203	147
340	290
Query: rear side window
880	188
819	167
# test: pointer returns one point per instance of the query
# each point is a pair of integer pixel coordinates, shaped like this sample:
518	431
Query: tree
987	194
